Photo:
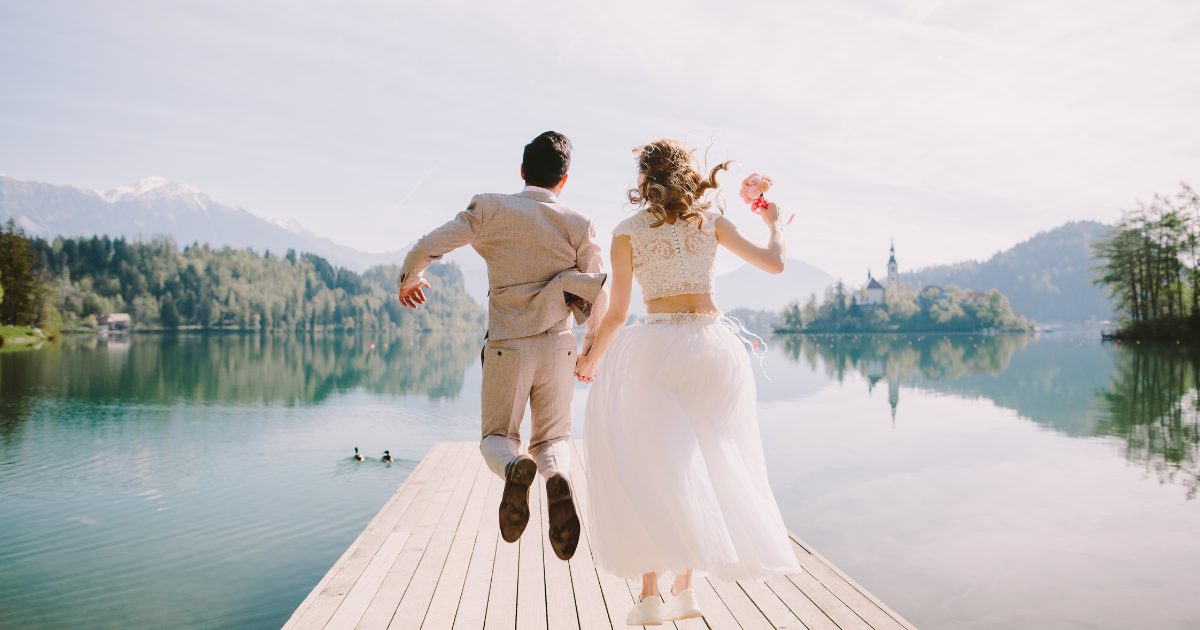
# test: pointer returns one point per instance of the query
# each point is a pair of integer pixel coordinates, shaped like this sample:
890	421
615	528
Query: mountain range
156	206
1046	277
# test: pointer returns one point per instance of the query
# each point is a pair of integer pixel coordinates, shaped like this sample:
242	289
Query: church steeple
893	274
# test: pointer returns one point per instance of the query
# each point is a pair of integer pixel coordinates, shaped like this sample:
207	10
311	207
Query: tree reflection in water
233	368
1153	405
904	359
1147	396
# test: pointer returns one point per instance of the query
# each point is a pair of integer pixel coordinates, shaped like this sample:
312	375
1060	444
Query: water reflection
904	359
1153	404
233	368
1149	397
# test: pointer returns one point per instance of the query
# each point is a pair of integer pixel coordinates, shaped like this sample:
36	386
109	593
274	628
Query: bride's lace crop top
673	258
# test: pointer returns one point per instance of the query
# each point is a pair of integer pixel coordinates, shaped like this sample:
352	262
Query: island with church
892	306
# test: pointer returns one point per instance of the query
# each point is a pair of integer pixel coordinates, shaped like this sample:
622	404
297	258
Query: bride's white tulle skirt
674	460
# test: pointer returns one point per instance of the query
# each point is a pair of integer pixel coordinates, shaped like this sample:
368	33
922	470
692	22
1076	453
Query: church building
874	289
874	292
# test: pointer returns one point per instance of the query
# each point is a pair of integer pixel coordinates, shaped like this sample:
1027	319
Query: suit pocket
497	352
566	341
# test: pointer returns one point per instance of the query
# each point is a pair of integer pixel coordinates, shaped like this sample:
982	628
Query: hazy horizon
957	131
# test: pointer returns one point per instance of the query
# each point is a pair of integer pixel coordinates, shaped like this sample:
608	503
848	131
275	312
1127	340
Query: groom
543	266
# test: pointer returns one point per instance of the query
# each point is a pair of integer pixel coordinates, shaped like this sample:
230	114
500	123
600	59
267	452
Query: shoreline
847	333
21	337
271	331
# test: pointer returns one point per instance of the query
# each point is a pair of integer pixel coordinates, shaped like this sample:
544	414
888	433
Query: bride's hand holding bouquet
753	192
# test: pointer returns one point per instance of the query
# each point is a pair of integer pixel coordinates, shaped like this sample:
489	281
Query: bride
675	461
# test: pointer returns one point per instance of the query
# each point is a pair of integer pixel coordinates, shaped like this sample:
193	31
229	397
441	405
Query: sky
956	128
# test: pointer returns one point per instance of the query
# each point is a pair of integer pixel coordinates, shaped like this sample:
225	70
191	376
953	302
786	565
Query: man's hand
412	291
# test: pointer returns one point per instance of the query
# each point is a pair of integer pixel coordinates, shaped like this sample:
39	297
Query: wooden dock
433	559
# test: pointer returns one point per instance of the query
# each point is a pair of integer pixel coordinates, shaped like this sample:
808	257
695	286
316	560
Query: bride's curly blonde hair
674	189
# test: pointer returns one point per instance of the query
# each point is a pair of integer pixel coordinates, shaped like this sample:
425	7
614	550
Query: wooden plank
422	579
356	601
502	598
342	574
808	612
531	583
324	599
561	613
422	525
587	585
834	608
472	606
854	594
740	604
433	558
770	605
716	614
849	594
585	580
451	582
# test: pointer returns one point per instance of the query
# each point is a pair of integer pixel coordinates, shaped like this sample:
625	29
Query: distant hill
750	288
1047	277
159	207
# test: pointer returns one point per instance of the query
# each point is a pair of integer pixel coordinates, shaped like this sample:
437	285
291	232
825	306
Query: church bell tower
893	276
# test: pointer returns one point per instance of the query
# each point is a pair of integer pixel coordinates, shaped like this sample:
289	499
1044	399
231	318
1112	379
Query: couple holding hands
677	478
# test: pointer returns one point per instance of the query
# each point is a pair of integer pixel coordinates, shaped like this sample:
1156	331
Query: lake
205	481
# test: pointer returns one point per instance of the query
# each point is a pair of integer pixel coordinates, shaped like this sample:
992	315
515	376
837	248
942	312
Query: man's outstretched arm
459	231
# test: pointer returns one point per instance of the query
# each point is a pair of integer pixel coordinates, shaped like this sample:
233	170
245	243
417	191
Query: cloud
958	128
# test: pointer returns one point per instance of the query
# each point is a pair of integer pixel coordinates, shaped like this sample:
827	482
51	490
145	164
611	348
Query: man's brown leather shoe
564	521
514	503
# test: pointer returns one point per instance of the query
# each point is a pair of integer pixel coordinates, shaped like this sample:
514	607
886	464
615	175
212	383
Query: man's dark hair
546	159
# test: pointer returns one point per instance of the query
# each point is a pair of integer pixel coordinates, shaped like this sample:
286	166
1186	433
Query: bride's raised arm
769	258
618	308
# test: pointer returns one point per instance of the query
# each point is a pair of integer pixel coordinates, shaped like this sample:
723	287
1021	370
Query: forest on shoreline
1150	263
68	283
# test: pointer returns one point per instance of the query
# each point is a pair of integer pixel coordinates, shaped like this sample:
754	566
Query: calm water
969	482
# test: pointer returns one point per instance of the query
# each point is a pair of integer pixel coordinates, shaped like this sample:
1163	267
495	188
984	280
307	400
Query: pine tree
22	303
168	313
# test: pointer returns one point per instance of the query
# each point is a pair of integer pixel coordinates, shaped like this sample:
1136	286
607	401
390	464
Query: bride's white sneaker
648	612
682	606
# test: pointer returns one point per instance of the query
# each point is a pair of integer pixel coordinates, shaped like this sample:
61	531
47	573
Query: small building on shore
114	322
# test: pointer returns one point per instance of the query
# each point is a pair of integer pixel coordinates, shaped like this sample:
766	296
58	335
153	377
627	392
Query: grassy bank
19	336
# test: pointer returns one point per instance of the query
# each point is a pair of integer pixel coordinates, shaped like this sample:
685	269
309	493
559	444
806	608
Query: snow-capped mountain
156	206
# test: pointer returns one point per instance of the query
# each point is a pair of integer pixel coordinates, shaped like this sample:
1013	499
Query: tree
168	313
1150	263
222	288
23	297
809	314
933	310
792	319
